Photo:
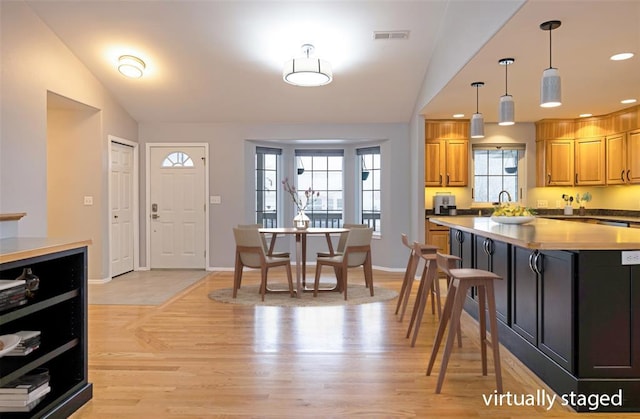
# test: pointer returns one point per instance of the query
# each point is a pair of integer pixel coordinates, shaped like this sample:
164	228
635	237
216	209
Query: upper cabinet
446	153
589	151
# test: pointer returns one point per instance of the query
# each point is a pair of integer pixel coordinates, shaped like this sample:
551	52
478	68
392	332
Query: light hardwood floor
195	358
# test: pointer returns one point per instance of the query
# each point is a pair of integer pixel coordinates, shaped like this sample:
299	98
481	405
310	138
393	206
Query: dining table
301	248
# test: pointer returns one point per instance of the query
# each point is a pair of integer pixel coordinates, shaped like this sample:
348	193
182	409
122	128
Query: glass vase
301	221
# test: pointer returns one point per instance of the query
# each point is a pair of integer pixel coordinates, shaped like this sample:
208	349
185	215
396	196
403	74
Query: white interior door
121	208
177	207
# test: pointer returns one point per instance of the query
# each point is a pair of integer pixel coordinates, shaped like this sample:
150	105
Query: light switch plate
88	200
215	199
631	257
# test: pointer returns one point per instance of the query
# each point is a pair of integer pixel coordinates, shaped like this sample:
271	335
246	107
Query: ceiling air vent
391	35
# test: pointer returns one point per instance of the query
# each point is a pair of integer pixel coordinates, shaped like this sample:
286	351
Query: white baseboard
99	281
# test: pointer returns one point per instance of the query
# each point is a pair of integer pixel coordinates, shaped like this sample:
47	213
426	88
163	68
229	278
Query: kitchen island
569	304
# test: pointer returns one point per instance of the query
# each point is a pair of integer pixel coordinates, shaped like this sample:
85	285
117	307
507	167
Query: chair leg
435	286
431	273
495	341
410	279
237	276
446	315
482	322
316	282
416	305
290	279
343	278
405	283
263	282
455	319
368	273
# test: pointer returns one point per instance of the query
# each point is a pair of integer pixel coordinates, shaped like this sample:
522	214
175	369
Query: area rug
356	294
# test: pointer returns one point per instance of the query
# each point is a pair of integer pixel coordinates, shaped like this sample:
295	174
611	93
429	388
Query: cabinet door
439	238
559	162
525	295
608	316
457	163
616	159
433	163
633	157
494	256
462	246
556	333
589	161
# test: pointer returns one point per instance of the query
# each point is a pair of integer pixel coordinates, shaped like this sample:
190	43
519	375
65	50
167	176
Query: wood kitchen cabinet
446	153
557	168
446	162
608	332
493	256
623	163
437	235
589	161
543	302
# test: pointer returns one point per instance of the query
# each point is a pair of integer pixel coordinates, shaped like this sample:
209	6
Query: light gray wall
231	168
35	62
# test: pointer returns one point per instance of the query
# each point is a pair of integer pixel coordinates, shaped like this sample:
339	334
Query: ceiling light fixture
585	115
506	109
131	66
550	88
622	56
458	115
307	71
627	101
477	120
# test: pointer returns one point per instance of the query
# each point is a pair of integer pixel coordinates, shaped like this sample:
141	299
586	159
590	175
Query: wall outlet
543	203
88	200
631	257
559	203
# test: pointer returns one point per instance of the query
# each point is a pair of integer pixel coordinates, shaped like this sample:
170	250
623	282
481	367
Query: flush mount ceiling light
506	109
477	120
307	71
131	66
627	101
621	56
550	88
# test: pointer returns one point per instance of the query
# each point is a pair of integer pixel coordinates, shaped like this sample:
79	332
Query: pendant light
550	88
477	120
506	109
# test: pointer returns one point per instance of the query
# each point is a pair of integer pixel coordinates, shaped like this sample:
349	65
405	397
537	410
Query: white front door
177	207
121	208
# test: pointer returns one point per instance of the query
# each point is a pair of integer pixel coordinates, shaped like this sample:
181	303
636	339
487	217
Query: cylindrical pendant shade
550	89
506	110
477	126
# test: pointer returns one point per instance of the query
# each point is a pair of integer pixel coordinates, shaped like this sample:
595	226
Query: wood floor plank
196	358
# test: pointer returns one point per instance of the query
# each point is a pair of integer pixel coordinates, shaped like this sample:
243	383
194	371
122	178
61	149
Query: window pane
334	163
369	160
326	209
495	171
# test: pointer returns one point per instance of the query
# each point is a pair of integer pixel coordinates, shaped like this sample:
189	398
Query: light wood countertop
18	248
544	233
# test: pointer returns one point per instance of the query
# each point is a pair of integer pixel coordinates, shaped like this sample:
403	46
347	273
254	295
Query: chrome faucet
500	196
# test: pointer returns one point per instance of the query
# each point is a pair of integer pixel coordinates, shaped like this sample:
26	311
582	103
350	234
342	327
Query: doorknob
155	216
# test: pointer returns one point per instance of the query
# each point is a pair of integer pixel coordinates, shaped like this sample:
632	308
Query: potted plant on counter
581	199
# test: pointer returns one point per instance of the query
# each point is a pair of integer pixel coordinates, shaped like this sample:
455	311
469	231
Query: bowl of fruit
507	213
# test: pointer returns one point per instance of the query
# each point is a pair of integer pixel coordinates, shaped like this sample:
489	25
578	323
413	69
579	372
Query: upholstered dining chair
265	245
342	241
357	252
250	253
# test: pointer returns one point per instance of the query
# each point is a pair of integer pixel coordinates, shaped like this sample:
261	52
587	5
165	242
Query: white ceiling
221	61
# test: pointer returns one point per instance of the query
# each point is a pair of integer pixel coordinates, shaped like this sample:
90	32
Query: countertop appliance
444	204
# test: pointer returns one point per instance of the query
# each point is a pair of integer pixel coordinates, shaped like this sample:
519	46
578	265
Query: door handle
155	216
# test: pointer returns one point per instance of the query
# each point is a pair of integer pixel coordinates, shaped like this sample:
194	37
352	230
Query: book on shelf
27	383
10	400
27	408
29	342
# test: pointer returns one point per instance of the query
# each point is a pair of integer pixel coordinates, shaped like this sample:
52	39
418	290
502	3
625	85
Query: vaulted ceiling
221	61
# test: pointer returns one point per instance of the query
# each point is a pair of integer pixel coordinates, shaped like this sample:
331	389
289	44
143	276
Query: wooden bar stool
428	283
409	274
462	280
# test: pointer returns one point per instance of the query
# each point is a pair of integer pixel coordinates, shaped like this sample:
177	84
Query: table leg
299	253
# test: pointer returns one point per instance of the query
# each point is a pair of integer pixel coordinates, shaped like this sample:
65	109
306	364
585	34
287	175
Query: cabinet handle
490	247
628	178
548	178
485	246
576	182
535	263
440	181
531	255
622	176
448	178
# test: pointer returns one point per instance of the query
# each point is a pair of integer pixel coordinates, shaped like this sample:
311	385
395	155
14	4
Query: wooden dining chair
250	253
357	252
265	245
342	241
